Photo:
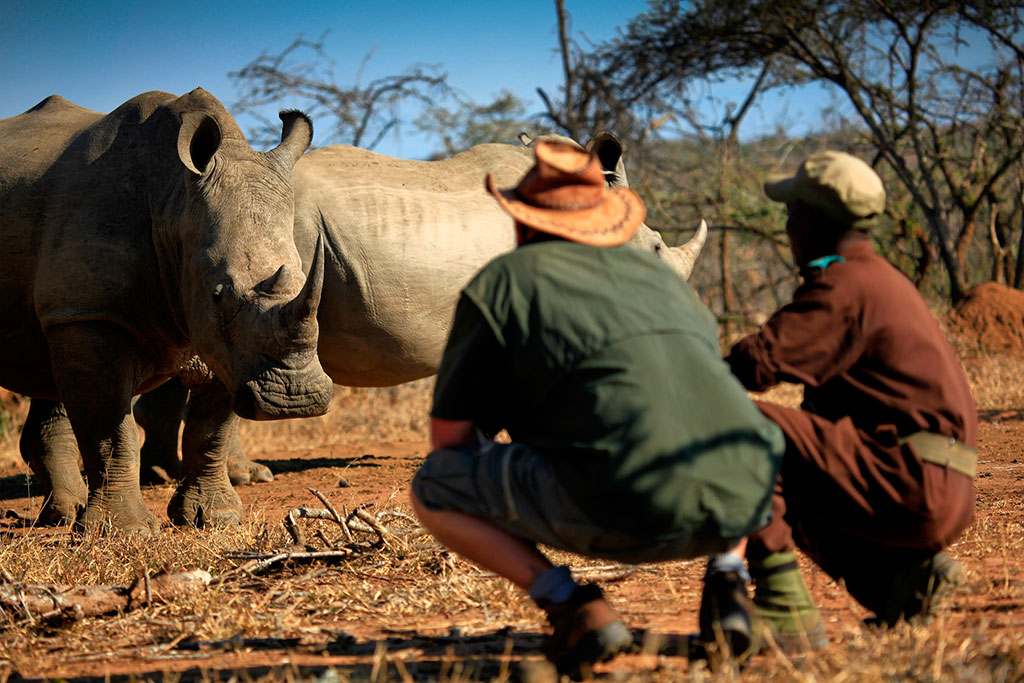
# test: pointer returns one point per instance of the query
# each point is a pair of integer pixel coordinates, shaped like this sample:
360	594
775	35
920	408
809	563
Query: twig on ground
75	602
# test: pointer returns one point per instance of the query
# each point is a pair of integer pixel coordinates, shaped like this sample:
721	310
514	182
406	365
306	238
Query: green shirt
604	360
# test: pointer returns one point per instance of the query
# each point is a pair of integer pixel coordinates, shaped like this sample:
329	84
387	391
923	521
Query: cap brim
613	221
781	188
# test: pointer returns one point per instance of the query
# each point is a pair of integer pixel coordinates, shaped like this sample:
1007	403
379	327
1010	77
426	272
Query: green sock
782	600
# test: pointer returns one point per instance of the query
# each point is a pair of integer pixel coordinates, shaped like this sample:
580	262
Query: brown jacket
864	344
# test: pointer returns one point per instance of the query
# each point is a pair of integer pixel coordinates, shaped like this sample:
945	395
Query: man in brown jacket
877	477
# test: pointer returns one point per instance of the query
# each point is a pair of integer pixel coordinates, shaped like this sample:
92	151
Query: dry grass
411	594
414	591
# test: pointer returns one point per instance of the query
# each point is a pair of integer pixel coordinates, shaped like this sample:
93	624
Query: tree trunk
940	228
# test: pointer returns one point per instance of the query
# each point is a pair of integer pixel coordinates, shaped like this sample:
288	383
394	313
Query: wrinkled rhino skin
134	242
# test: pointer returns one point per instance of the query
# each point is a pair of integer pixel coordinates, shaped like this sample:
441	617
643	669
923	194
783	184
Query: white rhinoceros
402	239
132	243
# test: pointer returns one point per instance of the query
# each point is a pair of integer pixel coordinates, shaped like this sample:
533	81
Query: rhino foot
206	502
123	511
61	508
242	470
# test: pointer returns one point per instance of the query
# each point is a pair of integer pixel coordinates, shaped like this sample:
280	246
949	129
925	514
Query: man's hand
452	433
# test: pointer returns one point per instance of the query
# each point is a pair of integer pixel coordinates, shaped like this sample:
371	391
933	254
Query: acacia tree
951	134
359	115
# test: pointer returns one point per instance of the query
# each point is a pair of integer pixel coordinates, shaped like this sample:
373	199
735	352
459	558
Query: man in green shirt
631	440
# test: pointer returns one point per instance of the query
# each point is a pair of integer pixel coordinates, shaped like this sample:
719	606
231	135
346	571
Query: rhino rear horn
198	140
296	136
298	316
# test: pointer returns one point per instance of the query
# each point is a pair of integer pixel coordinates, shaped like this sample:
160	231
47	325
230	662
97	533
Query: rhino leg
48	446
96	365
205	496
242	470
160	413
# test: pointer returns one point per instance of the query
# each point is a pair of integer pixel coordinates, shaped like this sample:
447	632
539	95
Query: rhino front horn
689	252
298	316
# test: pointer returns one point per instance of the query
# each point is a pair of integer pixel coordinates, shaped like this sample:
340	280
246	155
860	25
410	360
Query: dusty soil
653	599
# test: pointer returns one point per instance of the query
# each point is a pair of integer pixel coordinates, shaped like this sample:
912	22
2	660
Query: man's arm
809	341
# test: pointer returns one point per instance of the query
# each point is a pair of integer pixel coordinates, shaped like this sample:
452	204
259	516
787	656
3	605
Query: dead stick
327	504
334	514
78	601
382	533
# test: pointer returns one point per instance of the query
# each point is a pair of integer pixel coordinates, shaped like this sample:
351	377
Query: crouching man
877	477
631	440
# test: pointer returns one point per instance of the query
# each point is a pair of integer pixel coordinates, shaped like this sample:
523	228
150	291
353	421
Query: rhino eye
218	293
657	249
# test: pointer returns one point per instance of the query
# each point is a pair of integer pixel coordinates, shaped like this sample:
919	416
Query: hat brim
613	221
782	188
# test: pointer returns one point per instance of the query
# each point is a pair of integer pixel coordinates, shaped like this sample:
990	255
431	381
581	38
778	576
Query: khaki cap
565	194
840	184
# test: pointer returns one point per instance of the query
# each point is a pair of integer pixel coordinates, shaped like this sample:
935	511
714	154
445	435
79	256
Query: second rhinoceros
135	242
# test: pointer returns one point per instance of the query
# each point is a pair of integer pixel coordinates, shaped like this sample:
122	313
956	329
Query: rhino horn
687	253
296	135
278	282
298	316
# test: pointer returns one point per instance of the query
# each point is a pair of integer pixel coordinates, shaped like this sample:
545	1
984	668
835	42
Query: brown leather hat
565	194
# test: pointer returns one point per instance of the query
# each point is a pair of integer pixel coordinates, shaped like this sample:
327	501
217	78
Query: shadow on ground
502	654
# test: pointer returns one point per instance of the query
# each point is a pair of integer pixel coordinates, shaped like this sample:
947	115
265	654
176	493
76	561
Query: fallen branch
74	602
259	563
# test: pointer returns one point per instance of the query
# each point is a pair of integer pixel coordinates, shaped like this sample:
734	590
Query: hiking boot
784	610
586	630
724	618
919	589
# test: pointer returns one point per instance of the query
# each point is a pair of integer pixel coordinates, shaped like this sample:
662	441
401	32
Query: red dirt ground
660	598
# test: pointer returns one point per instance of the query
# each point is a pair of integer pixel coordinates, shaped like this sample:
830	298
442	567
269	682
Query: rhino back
403	238
74	216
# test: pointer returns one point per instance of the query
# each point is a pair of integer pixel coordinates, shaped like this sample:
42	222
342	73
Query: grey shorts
515	488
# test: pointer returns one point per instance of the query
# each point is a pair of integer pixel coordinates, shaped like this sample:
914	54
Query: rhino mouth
279	393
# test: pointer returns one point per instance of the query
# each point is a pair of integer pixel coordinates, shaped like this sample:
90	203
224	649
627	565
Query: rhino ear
198	140
296	136
607	148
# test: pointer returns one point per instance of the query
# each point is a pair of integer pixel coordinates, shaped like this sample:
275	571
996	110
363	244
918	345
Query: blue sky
99	53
